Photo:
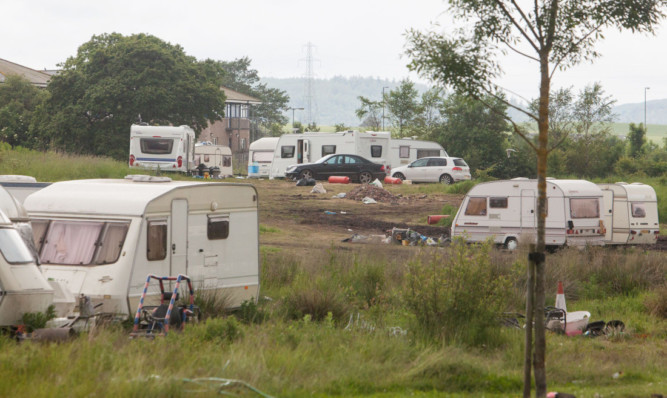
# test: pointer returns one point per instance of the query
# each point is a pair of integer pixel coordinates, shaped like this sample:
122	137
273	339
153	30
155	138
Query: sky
348	37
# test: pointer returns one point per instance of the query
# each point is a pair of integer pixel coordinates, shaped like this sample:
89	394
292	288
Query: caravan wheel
511	244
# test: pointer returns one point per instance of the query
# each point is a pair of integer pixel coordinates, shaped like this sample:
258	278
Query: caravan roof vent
146	178
519	179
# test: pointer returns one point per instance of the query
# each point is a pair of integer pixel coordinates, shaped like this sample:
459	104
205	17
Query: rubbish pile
373	192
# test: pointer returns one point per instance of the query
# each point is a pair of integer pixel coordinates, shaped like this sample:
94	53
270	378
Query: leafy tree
403	106
338	127
239	76
18	100
312	127
117	80
555	35
370	112
474	132
428	120
636	139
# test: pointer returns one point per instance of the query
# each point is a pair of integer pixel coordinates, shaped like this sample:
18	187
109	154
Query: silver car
446	170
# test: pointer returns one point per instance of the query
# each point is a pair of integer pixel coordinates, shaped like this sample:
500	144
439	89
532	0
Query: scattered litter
392	180
305	182
329	212
560	395
368	201
430	220
356	238
371	191
376	183
343	212
408	237
318	188
339	196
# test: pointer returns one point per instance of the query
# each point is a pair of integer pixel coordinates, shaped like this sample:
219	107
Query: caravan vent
146	178
520	179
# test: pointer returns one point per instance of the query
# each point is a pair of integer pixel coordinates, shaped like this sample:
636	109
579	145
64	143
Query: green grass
654	133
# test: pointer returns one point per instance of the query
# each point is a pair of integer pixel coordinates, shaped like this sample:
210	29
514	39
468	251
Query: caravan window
423	153
262	157
226	161
287	151
476	207
79	242
403	152
156	242
218	227
328	150
376	151
156	146
584	208
498	203
638	210
13	248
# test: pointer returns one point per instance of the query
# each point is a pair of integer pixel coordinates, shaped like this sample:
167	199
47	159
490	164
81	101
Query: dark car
353	166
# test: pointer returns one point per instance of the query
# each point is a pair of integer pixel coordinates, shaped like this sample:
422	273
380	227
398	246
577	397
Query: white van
294	149
101	238
168	148
403	151
211	156
260	156
630	213
506	212
23	288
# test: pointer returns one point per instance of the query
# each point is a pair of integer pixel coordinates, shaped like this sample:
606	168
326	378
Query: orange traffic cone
560	297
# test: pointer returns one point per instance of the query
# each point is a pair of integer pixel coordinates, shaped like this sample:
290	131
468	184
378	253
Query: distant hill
336	99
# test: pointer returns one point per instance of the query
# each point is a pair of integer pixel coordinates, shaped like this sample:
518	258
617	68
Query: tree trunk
528	347
543	126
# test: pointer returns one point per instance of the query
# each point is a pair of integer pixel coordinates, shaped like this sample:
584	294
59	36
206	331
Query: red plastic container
339	180
434	219
392	180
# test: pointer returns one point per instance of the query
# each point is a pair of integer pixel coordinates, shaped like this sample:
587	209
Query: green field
655	133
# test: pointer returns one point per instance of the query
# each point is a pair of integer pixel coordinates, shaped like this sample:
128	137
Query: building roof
239	98
37	78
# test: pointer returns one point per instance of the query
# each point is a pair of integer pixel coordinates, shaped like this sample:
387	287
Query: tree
430	118
370	112
240	77
403	106
636	139
117	80
18	100
472	131
555	35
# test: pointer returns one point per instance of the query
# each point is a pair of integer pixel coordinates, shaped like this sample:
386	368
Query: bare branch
517	25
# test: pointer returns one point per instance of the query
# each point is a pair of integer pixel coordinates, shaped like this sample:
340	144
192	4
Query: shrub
250	312
457	299
221	330
212	302
316	299
461	187
37	320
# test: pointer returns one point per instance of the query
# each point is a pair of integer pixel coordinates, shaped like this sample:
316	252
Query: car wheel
446	179
400	176
305	174
511	244
365	177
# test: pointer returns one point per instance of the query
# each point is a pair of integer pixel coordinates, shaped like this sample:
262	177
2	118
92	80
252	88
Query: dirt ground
293	217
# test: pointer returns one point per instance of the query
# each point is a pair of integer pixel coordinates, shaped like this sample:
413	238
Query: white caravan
210	156
308	147
23	288
630	213
403	151
260	156
168	148
506	212
21	186
101	238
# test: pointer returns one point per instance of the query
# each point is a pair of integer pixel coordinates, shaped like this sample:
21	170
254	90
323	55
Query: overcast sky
350	38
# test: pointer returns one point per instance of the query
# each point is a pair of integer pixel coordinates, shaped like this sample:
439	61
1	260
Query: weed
220	330
656	302
37	320
212	302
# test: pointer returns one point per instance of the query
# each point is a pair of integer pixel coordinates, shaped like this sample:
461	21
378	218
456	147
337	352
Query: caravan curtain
70	242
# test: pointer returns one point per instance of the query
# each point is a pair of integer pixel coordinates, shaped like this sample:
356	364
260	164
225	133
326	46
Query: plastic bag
376	183
318	188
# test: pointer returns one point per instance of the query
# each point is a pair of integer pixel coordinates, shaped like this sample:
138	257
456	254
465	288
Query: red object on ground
339	180
392	180
434	219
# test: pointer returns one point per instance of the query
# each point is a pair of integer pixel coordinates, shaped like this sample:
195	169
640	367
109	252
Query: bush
37	320
461	187
220	330
316	299
457	299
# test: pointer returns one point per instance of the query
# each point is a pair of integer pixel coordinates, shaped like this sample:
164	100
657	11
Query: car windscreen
324	159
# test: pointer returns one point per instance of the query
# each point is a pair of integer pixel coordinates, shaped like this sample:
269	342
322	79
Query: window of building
328	150
423	153
376	151
156	146
156	242
584	208
403	152
218	227
13	248
476	207
638	210
498	203
287	151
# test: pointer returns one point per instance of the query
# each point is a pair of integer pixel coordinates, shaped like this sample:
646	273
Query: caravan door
608	212
527	210
303	151
179	237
